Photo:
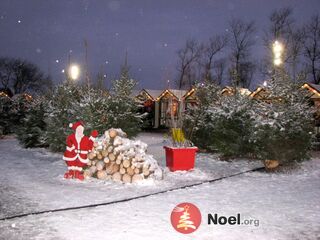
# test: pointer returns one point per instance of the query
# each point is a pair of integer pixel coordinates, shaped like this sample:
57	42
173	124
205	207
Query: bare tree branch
241	41
188	55
312	47
20	76
215	45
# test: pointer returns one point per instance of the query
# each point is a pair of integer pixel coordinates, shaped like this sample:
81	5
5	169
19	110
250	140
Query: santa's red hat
75	125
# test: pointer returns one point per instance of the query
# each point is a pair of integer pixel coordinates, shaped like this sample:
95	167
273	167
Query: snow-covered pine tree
5	121
284	121
222	123
123	110
19	106
198	124
60	112
31	131
233	119
92	108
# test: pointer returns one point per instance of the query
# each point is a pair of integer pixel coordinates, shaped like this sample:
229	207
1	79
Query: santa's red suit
78	147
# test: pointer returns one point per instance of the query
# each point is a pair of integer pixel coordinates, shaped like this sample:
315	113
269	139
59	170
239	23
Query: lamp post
277	49
74	72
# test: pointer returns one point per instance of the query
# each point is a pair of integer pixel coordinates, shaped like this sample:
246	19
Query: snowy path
287	205
32	179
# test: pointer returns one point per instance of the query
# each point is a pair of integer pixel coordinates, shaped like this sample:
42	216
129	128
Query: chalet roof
150	92
135	92
243	91
257	91
314	89
188	93
178	93
154	93
315	86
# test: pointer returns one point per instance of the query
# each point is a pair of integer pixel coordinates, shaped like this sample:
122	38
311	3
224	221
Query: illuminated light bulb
74	72
277	61
277	47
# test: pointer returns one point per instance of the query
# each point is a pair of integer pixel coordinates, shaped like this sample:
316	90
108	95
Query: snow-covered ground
286	205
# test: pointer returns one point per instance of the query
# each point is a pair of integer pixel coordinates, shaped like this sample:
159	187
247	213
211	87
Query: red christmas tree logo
186	218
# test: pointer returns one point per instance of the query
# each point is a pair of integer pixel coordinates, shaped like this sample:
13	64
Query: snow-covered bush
97	109
276	128
59	113
234	120
19	107
31	131
12	111
5	123
123	111
284	122
198	123
92	109
221	123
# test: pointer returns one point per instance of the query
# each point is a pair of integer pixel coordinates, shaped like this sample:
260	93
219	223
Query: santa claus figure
78	147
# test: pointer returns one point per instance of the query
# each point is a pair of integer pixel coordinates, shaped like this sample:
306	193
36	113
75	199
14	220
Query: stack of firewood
116	157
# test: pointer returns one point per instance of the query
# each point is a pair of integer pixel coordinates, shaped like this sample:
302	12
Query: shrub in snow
233	118
68	103
19	107
5	123
198	123
12	111
222	123
284	122
277	128
92	109
31	131
122	109
59	113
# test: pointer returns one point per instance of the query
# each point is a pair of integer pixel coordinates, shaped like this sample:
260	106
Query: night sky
44	31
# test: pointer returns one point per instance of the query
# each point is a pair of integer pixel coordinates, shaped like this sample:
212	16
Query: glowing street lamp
277	49
74	72
277	61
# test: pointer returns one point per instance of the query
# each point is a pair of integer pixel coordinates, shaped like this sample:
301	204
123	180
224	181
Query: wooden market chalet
160	104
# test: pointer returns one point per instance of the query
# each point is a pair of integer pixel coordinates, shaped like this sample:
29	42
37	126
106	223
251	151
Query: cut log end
126	163
113	133
116	177
112	156
102	175
137	178
126	178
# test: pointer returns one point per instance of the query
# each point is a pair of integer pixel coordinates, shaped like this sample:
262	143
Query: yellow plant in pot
178	138
180	156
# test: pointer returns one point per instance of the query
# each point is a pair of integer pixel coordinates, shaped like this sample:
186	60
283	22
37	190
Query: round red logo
186	218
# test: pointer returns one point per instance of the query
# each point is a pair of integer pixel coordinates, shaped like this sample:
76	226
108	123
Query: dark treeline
20	76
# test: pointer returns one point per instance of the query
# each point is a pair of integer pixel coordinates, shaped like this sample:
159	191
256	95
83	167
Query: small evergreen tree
12	112
92	109
198	123
31	132
123	110
233	118
59	113
5	120
284	122
18	109
222	123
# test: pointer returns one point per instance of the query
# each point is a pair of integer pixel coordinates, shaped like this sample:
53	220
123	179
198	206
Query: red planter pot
180	158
